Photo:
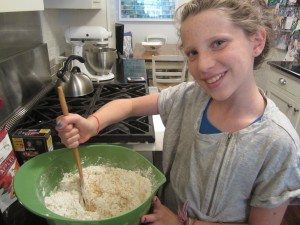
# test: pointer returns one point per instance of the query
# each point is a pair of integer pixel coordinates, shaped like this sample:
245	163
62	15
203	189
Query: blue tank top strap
207	127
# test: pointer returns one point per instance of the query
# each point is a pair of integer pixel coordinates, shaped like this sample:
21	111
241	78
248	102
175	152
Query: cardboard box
29	143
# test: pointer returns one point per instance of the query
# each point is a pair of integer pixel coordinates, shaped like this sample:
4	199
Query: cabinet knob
289	105
282	81
296	110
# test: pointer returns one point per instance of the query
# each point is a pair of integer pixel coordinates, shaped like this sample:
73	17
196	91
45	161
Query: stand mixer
99	58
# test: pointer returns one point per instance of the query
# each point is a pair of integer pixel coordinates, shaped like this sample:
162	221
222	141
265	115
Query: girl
230	156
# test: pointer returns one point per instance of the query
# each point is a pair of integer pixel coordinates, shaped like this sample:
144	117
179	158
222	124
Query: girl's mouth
215	78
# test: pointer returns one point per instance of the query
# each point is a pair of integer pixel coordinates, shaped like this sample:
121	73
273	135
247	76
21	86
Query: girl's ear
259	41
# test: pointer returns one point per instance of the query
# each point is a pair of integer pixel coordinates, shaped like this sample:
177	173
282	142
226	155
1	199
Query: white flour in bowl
111	191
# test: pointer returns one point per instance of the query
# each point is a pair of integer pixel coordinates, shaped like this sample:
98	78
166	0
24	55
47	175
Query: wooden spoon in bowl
65	111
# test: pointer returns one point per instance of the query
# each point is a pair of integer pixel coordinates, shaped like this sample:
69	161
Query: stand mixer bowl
100	60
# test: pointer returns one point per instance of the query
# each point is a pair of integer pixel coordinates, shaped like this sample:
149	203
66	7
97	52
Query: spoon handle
65	111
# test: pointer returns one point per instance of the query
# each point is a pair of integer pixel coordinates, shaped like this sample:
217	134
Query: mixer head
87	34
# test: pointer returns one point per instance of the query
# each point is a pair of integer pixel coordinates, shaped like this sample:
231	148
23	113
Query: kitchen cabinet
19	6
74	4
283	89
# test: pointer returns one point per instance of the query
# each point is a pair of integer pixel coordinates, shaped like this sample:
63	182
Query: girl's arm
74	129
258	216
120	109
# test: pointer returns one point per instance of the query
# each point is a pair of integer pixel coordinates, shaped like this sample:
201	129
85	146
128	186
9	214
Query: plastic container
40	175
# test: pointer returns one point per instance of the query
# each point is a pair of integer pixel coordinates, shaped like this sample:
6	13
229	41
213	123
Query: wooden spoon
65	111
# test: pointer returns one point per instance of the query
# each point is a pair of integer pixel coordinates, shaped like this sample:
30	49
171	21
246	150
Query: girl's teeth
214	79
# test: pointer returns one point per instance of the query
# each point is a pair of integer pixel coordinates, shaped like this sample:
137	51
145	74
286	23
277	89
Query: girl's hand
74	129
161	215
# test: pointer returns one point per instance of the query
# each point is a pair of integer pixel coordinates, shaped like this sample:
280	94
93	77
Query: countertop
292	68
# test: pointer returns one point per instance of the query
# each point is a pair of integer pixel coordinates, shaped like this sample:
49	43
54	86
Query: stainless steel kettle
74	82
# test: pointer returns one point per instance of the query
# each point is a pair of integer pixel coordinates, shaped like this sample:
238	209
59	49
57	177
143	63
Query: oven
143	134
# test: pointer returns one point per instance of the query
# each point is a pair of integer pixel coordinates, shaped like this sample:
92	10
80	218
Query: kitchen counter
292	68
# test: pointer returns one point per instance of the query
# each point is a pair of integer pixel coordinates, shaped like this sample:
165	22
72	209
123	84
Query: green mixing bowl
41	174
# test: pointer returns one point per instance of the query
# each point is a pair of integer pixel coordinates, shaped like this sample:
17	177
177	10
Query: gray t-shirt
222	175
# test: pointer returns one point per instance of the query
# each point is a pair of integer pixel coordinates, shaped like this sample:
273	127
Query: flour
110	192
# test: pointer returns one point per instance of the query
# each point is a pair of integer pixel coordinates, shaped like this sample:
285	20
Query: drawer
285	82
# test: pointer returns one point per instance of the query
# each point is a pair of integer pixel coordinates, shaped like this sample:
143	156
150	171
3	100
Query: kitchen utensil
100	60
74	82
41	174
64	108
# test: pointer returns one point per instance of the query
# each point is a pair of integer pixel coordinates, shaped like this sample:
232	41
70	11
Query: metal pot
74	82
100	60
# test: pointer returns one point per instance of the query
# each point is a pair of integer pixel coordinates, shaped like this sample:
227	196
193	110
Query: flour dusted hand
111	191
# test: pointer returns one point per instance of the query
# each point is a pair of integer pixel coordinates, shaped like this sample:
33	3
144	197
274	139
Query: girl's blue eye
191	54
218	43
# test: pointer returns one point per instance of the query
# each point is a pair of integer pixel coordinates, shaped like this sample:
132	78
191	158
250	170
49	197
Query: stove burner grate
136	129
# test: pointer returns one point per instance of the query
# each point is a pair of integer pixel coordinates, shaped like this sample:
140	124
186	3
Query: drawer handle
282	81
296	110
289	106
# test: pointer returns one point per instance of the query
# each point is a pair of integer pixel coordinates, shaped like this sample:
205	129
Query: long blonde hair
250	15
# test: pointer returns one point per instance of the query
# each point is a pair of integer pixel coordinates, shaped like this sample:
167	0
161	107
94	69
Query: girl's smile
214	79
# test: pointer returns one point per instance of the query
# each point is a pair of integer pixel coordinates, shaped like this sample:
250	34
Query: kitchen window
146	10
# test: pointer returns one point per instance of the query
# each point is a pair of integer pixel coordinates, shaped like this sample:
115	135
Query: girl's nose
205	61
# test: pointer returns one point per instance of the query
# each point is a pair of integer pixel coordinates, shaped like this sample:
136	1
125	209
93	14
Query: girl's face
220	55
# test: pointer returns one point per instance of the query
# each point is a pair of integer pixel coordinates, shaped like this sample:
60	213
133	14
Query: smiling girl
230	156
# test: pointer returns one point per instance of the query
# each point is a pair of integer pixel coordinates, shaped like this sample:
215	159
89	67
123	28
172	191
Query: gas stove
31	102
135	129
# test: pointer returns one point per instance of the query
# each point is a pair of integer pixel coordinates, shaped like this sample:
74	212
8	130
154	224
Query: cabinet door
284	81
19	6
285	103
74	4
